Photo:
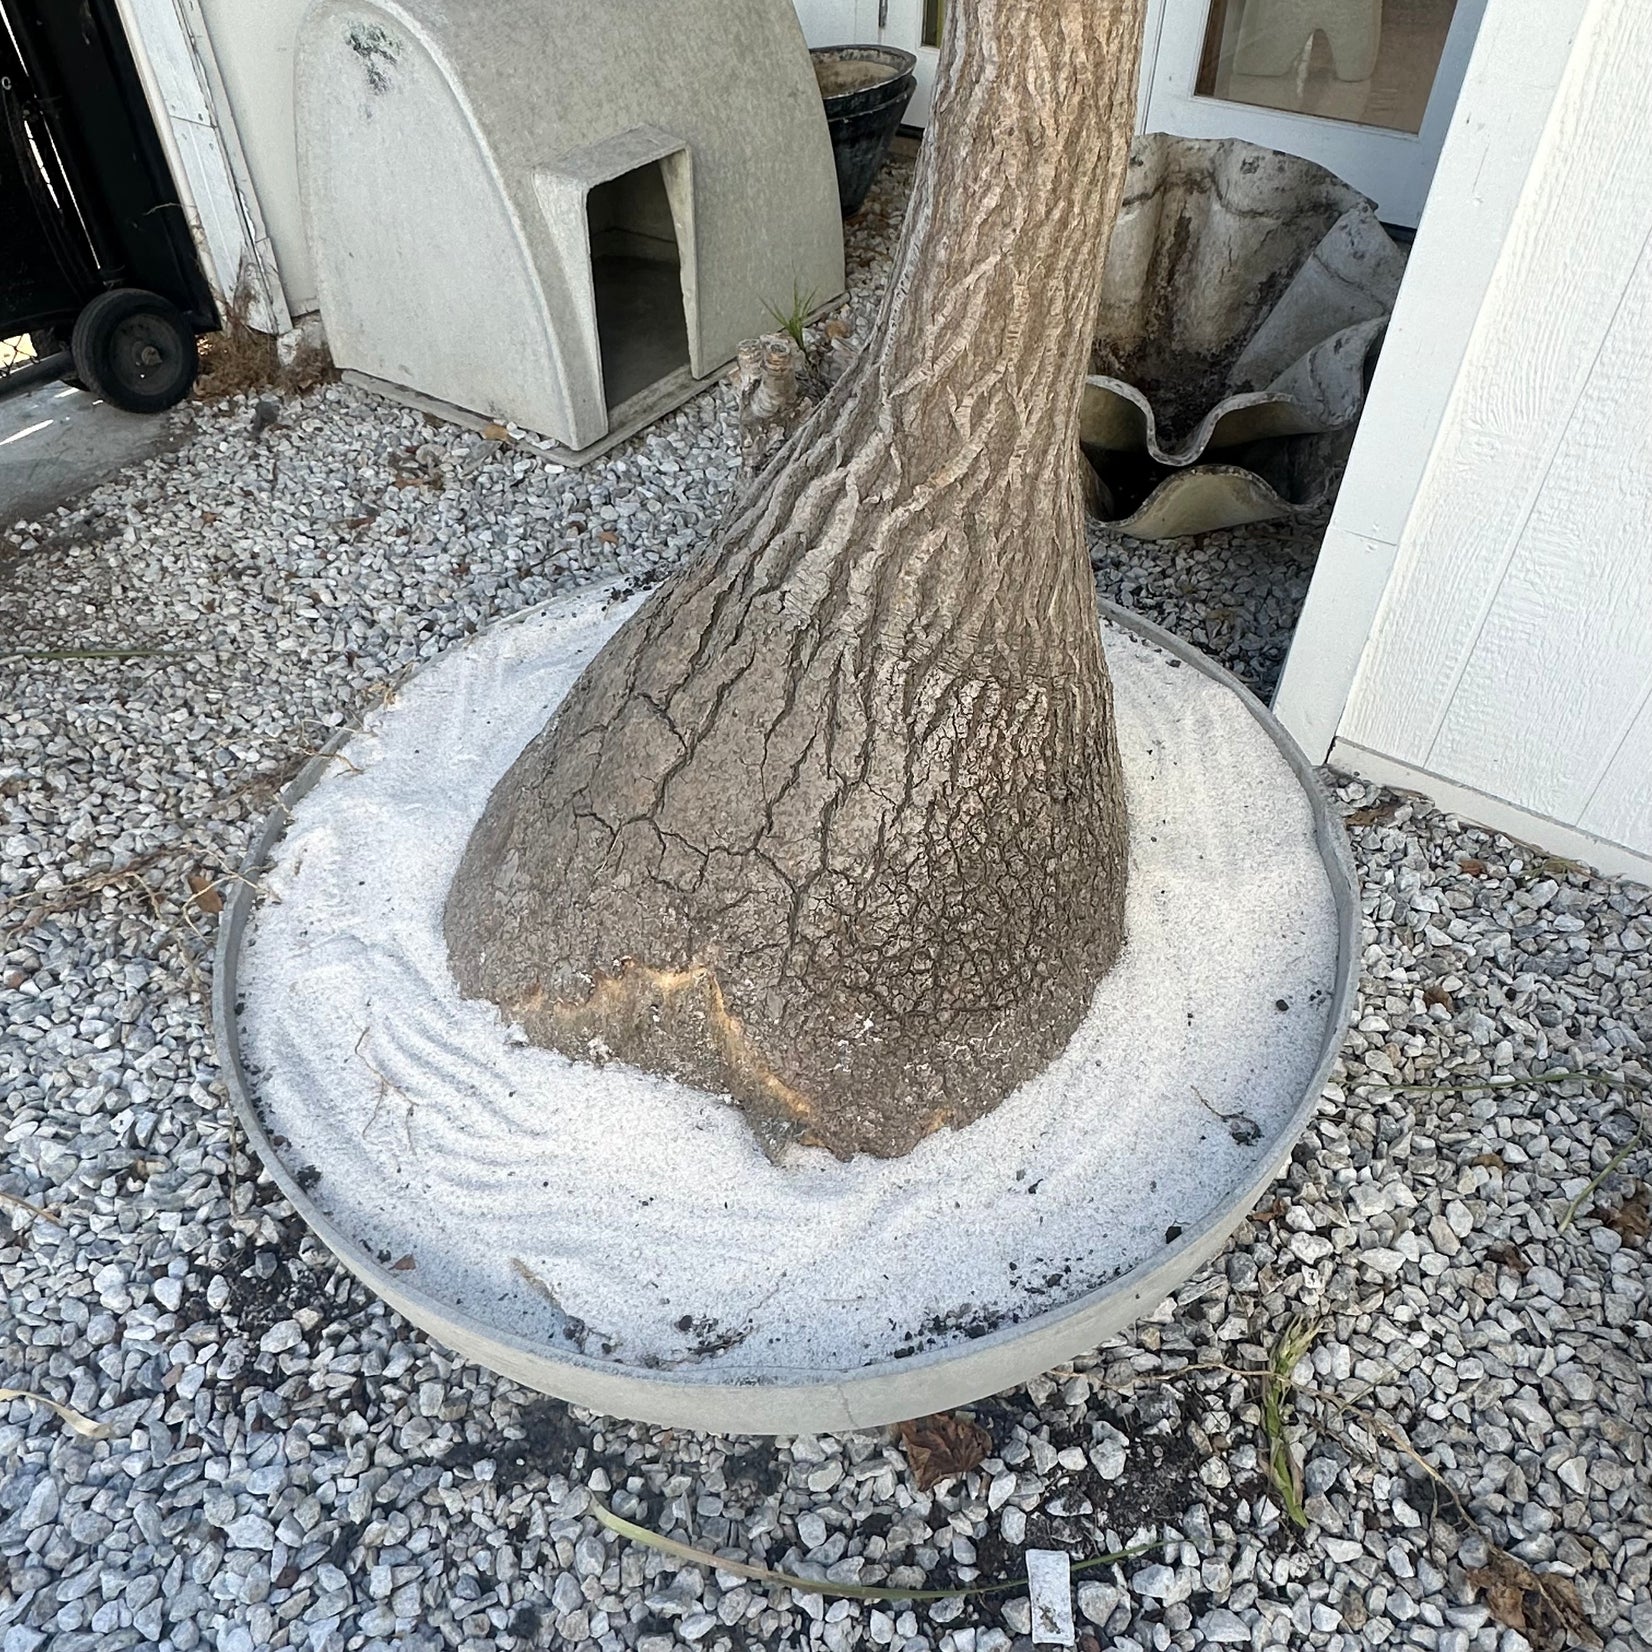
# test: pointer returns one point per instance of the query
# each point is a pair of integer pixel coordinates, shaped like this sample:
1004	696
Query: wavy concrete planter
296	1109
1244	294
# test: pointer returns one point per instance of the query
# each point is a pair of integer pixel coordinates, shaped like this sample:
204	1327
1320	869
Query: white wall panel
253	41
1621	805
1578	237
1550	685
197	131
1520	61
1511	656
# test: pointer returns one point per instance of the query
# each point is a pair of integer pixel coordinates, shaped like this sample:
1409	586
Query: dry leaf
1509	1256
1438	995
1269	1213
1558	866
1490	1161
77	1420
1474	868
1544	1609
608	538
1630	1220
205	893
1375	814
943	1445
404	1264
495	432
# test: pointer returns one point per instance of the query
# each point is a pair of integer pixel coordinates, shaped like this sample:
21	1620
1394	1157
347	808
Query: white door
838	22
915	25
1364	87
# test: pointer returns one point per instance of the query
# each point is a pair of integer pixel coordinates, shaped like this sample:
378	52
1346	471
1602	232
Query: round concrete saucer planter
292	1107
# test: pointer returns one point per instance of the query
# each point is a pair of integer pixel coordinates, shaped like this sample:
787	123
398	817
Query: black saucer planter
865	90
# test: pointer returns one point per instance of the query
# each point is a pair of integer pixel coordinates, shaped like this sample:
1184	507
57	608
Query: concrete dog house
563	215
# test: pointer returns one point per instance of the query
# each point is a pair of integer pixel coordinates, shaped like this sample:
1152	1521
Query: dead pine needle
11	1201
1594	1181
536	1283
1241	1126
339	757
1544	1606
33	655
1511	1081
239	359
197	981
67	896
387	1087
812	1586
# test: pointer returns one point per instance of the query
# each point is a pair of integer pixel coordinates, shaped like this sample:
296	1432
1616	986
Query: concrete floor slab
56	442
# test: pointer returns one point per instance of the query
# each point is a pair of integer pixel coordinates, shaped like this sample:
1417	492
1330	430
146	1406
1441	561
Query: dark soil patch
267	1283
551	1442
1160	1483
752	1472
345	1547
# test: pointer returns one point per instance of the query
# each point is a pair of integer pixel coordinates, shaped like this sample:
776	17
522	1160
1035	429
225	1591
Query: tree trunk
834	822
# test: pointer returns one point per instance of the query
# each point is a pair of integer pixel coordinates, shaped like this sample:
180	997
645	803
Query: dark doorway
636	270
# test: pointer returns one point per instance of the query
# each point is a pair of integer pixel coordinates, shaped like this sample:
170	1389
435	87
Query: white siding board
197	131
1501	661
838	22
1620	810
1543	327
253	42
215	210
1519	64
1514	76
1572	616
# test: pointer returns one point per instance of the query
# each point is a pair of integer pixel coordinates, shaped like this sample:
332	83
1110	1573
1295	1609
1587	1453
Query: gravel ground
287	1463
1235	595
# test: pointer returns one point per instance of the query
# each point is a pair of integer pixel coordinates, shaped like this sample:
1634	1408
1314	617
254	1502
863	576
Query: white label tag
1050	1590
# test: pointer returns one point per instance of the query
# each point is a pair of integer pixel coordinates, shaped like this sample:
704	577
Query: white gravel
290	1466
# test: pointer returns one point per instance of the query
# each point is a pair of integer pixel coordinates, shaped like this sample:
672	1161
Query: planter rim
901	61
868	1396
901	65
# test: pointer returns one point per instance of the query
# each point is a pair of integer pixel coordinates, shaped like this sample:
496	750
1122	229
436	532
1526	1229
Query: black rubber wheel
136	350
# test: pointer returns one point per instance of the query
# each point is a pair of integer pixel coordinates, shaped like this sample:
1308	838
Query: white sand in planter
628	1217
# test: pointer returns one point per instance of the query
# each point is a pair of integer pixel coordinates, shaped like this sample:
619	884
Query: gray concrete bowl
869	1395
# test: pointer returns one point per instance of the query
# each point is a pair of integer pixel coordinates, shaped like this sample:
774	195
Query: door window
1372	62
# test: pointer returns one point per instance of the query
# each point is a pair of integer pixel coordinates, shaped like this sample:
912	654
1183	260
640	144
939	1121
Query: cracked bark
834	823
